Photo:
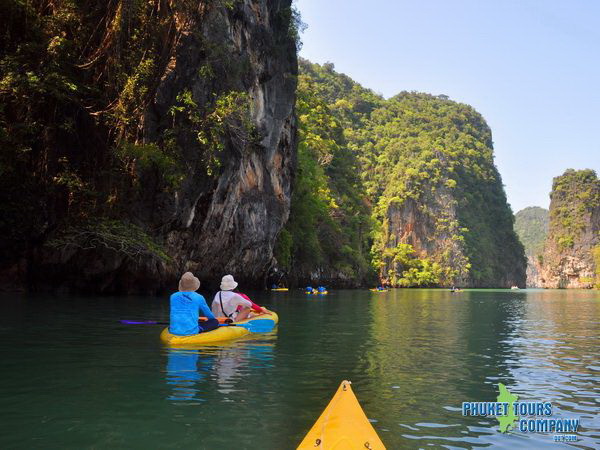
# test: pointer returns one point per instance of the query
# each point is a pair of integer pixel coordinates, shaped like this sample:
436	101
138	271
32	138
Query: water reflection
557	348
184	373
196	374
233	363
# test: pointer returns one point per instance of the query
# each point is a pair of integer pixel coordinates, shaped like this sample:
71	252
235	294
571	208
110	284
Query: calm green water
73	377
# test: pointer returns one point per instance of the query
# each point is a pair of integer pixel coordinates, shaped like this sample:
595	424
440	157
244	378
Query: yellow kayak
225	333
280	289
379	290
342	425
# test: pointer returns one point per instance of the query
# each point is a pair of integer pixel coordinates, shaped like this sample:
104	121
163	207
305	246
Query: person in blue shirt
186	308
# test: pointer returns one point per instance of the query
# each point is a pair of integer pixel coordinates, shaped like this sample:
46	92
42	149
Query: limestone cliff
445	218
426	176
574	231
531	225
430	227
186	166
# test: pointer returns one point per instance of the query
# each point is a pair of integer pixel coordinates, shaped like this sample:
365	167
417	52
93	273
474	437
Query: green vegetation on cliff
570	258
130	120
435	156
531	225
576	196
596	257
329	223
75	78
438	210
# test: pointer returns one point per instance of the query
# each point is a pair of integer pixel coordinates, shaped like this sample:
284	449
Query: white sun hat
228	283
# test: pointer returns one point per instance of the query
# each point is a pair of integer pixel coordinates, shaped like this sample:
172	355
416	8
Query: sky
530	67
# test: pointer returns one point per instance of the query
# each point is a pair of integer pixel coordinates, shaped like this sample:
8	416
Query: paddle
222	320
142	322
154	322
255	326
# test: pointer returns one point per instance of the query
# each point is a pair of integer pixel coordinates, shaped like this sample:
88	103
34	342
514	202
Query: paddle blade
257	325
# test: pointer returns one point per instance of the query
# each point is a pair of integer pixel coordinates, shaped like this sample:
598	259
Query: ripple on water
436	425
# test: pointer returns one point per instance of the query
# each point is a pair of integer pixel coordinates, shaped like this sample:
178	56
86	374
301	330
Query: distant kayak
261	323
315	292
280	289
342	425
379	290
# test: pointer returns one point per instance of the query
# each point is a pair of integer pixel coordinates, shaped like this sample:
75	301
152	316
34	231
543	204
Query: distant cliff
445	219
531	225
572	248
426	175
143	139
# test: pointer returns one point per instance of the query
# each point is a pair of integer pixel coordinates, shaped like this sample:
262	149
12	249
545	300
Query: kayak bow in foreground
342	425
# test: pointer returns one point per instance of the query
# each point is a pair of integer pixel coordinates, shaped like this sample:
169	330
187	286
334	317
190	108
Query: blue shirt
185	311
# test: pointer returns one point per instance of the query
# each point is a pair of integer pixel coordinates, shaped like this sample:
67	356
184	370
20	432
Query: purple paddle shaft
135	322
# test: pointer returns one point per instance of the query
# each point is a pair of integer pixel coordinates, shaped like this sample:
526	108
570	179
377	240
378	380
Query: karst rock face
432	227
230	226
573	240
418	225
224	103
443	207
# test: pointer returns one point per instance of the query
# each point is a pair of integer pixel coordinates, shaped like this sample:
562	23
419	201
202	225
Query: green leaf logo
507	422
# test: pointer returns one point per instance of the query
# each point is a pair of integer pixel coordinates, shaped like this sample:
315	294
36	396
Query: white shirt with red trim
231	301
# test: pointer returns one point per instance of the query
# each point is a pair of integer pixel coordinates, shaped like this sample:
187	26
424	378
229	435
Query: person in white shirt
231	304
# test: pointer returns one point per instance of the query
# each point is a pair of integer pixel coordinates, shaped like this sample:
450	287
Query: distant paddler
378	289
277	288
